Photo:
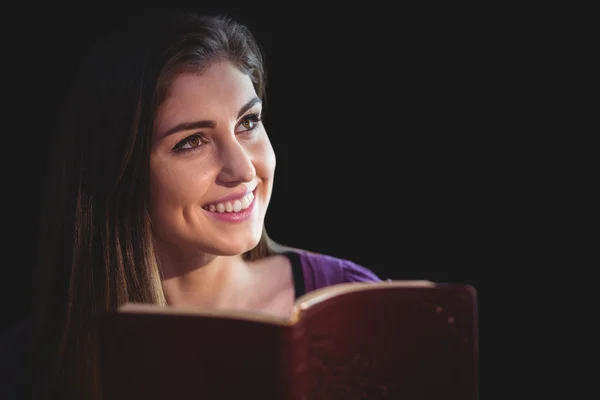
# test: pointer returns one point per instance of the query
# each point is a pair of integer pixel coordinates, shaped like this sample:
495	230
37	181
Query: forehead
218	92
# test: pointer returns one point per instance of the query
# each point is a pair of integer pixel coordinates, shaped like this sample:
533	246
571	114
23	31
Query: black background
391	127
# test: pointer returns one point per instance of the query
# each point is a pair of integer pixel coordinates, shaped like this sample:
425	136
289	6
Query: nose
236	164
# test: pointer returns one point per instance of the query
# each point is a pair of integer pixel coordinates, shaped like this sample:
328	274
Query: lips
220	211
233	205
234	196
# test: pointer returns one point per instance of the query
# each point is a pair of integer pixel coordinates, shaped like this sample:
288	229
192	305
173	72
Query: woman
159	186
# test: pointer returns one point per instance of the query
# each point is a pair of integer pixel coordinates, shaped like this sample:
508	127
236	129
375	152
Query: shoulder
322	270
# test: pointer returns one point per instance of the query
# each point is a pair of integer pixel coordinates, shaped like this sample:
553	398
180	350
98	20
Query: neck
208	281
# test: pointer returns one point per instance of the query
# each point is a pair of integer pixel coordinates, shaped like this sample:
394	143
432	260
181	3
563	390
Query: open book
382	340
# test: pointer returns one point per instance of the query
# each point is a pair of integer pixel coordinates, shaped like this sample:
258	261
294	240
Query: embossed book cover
385	340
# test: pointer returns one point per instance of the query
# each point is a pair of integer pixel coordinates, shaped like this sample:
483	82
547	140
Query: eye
189	143
250	122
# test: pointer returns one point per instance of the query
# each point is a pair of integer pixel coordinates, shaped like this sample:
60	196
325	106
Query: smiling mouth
234	206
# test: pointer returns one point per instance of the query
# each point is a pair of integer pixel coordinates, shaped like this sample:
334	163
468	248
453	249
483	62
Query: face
211	166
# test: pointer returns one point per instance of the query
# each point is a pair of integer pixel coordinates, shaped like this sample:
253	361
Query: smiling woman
157	193
212	124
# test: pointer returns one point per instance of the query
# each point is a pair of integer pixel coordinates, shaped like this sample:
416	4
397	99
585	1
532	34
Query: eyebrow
187	126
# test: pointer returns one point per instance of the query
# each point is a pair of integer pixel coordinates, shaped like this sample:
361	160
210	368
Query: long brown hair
96	247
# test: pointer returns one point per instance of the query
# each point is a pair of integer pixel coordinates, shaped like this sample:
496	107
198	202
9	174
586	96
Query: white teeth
245	202
237	205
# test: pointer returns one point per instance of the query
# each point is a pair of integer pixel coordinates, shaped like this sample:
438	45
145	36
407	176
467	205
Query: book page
322	294
248	315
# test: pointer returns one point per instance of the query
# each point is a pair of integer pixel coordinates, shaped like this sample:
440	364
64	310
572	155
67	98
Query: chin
236	248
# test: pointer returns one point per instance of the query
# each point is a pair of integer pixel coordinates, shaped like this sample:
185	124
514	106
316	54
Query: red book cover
385	340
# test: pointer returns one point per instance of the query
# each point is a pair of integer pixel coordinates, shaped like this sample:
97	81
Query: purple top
314	271
321	270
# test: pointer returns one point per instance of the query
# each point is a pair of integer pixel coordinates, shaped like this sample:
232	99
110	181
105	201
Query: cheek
176	185
264	159
161	197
